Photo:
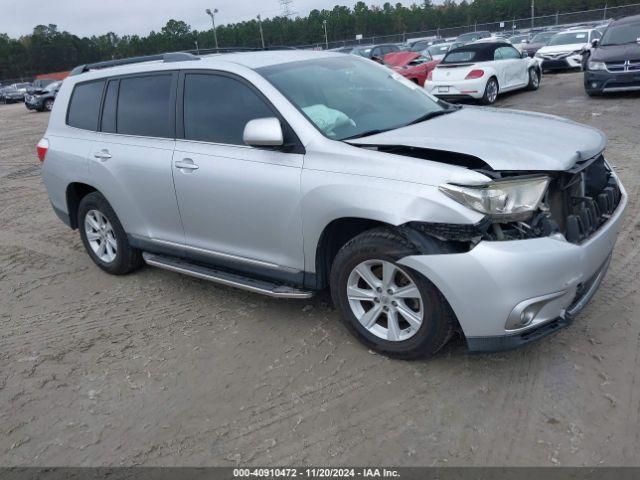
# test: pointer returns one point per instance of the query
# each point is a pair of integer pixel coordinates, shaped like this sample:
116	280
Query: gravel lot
160	369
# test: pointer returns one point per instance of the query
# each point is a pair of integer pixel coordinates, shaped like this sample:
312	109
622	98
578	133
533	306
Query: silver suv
287	172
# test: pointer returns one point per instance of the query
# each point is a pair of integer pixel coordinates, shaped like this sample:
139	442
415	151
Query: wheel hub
385	300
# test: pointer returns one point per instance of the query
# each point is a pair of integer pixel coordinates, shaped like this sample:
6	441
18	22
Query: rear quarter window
84	107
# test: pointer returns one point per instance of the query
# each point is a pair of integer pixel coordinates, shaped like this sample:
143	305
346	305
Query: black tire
488	98
384	244
534	74
48	105
127	258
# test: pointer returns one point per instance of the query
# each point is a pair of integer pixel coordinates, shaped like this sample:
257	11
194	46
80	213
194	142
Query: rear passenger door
131	158
240	205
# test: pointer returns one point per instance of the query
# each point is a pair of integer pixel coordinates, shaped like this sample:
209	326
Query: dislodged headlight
509	199
597	66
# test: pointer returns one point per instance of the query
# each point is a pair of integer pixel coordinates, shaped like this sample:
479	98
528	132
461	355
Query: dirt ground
160	369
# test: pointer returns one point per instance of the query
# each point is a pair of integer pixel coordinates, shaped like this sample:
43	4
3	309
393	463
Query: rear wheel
534	79
104	238
490	92
388	307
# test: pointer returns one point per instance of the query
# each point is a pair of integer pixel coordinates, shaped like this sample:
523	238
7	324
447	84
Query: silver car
288	172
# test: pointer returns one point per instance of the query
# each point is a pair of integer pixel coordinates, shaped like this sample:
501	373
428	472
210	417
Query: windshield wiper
367	133
437	113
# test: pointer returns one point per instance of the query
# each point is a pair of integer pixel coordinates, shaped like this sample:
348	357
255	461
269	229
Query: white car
481	71
565	49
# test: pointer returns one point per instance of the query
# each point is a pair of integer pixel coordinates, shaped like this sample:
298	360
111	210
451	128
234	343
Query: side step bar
224	278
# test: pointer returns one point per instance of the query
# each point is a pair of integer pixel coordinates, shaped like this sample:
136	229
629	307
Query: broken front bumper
507	293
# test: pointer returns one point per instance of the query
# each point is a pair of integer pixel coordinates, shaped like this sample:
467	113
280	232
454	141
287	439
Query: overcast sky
89	17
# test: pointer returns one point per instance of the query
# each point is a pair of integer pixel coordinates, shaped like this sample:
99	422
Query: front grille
582	200
626	66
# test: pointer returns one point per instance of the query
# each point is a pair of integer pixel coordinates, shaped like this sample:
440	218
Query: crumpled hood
504	139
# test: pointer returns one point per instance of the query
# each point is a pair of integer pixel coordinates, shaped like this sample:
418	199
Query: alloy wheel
100	235
492	91
535	79
385	300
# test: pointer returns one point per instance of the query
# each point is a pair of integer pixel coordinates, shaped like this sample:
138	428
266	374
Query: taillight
474	74
41	148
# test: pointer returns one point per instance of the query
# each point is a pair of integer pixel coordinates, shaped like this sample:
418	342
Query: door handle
186	164
102	155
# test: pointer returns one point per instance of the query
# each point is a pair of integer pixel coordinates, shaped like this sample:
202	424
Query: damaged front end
573	204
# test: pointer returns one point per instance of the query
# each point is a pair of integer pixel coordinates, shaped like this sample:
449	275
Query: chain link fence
569	19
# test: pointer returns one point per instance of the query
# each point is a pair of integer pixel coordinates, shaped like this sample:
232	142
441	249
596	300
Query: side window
497	54
145	107
109	109
510	52
84	106
217	108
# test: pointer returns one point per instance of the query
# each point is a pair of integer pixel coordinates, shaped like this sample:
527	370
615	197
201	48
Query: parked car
11	94
482	71
438	51
43	98
472	36
538	41
565	50
411	65
424	44
375	52
614	65
318	170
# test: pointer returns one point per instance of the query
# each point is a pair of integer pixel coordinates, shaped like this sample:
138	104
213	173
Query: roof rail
165	57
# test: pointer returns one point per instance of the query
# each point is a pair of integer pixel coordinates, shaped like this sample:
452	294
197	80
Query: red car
413	65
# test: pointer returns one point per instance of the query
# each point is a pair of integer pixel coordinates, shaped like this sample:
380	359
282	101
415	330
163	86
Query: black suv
614	64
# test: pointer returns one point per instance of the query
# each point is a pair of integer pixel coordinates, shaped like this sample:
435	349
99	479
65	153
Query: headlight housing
509	199
597	65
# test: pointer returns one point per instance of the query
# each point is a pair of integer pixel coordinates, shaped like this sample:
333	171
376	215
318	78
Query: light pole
261	35
326	39
532	9
213	22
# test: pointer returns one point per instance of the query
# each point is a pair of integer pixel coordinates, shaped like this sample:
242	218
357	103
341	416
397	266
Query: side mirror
524	54
594	43
263	132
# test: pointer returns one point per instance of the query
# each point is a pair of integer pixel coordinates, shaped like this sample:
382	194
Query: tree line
49	50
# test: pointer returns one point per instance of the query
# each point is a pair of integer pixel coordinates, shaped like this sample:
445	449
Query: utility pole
604	15
532	10
261	35
213	22
326	39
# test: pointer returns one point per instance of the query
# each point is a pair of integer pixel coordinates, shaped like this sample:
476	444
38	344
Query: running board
224	278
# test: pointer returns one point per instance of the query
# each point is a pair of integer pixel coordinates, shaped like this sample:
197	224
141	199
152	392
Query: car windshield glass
439	49
363	52
52	86
349	97
621	34
569	38
542	37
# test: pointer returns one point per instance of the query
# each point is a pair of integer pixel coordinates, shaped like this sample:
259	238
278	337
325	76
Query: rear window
84	106
145	107
466	55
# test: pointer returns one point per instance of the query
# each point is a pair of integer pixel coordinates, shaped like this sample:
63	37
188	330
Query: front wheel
490	92
104	238
388	307
48	104
534	79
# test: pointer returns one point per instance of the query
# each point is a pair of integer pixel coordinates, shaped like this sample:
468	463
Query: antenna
287	8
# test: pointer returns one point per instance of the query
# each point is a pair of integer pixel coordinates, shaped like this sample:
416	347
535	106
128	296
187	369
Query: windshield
52	86
440	49
569	38
542	37
621	34
349	97
363	52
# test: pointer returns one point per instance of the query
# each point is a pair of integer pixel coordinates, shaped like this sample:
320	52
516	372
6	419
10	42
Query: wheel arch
74	194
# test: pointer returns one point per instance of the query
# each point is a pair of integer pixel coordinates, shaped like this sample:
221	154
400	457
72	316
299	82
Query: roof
631	19
252	60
